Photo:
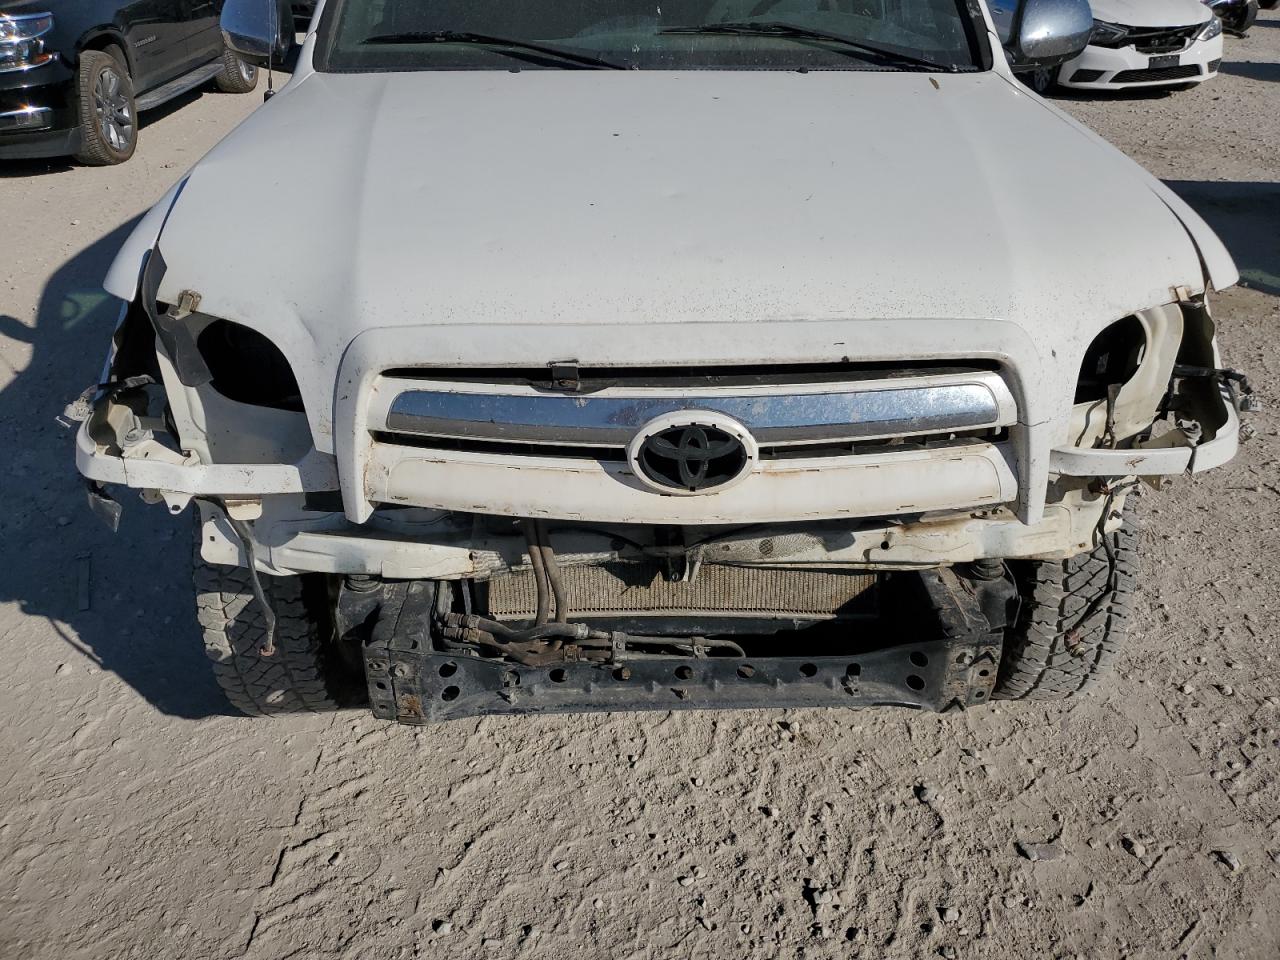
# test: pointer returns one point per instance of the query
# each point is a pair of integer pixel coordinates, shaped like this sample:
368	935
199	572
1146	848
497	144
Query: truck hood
488	202
1151	13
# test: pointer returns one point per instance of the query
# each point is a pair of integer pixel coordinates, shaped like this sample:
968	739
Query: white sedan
1142	43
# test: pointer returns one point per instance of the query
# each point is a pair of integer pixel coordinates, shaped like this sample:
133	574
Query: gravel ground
139	819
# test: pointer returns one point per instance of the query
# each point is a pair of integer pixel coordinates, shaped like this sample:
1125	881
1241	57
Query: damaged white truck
612	355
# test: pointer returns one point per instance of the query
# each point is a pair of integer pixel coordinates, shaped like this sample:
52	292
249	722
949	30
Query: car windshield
405	35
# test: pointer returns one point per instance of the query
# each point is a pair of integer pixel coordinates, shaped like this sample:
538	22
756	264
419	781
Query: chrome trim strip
29	66
21	119
606	420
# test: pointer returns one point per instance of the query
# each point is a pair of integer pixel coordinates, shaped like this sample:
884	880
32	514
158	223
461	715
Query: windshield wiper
773	28
485	40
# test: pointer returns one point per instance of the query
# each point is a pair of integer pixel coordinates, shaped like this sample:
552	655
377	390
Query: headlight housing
1112	359
1211	29
1108	34
21	43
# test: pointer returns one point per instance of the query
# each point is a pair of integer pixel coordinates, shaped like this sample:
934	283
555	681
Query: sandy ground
139	819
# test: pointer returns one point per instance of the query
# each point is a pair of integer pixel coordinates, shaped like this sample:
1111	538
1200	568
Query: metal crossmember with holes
413	682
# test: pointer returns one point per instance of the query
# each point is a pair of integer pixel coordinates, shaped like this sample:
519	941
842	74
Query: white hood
1151	13
522	204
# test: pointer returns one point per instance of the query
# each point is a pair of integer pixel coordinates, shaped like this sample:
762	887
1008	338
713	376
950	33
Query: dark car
1237	16
75	73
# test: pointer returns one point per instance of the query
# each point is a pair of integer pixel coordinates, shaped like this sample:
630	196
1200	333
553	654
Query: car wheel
236	76
1042	80
108	116
1072	618
305	674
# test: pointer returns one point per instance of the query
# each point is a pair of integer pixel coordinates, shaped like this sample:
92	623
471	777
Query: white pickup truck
627	355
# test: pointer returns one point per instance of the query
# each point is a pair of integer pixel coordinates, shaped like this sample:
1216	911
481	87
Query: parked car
1237	16
621	359
302	13
74	74
1160	43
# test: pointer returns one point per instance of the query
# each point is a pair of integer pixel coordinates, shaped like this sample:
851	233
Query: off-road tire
1054	650
95	149
236	76
301	676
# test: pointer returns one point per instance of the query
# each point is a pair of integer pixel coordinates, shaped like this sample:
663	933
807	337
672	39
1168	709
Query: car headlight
21	43
1211	29
1108	34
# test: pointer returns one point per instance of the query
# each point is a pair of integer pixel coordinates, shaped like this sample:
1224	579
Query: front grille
622	588
1086	76
1151	76
508	413
1163	39
1152	39
1213	65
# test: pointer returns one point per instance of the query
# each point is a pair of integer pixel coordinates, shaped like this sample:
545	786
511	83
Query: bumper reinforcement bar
412	683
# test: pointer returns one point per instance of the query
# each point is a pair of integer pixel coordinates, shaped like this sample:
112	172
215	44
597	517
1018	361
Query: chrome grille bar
799	415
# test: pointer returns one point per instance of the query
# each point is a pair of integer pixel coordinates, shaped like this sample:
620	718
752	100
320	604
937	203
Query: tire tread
1038	662
293	680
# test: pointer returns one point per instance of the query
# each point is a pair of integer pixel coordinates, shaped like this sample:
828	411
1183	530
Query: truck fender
126	270
1219	268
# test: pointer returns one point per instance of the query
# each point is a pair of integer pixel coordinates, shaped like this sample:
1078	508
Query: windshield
401	35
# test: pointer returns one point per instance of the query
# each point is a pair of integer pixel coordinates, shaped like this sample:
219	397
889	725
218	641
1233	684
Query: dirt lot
139	819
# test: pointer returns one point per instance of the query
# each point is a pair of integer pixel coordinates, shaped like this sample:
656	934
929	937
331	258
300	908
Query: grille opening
1160	73
1086	76
930	441
506	448
598	378
1163	39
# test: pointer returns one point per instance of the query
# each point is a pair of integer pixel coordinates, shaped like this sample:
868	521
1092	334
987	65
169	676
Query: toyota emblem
692	452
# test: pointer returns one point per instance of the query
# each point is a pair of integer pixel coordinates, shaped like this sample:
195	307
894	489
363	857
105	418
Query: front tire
108	116
1073	619
303	675
236	76
1042	80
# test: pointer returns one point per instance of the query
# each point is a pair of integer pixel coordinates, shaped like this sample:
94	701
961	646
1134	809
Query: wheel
1249	17
108	118
306	672
1041	81
236	76
1072	619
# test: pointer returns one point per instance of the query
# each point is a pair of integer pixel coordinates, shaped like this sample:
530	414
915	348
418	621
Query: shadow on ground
122	601
1068	94
1269	72
1245	215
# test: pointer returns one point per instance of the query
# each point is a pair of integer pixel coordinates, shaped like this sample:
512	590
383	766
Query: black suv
75	73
